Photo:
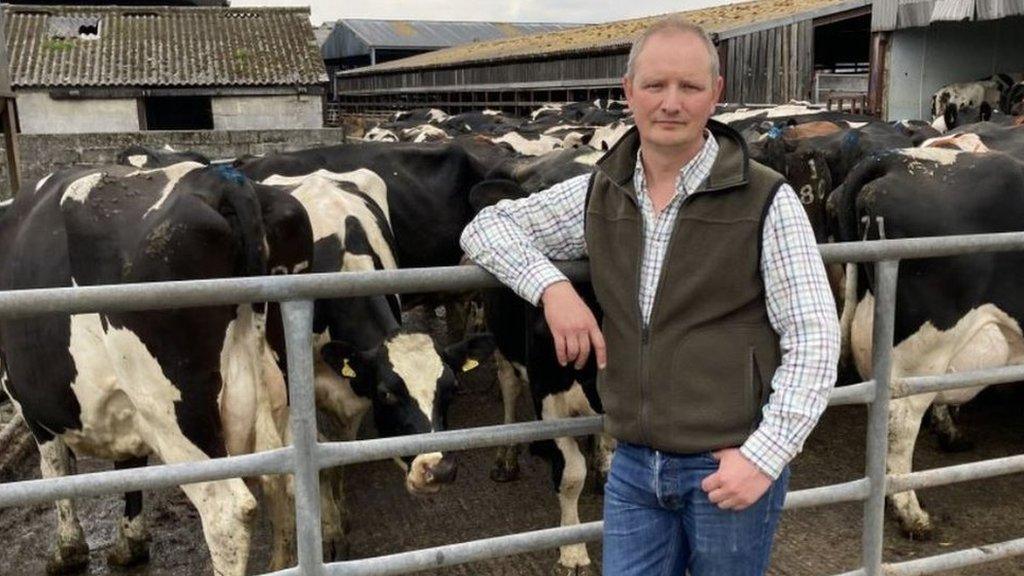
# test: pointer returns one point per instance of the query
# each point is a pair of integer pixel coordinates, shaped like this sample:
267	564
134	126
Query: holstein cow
364	357
184	384
952	314
994	91
526	358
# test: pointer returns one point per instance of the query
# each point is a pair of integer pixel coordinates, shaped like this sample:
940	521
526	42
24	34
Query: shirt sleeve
516	239
803	312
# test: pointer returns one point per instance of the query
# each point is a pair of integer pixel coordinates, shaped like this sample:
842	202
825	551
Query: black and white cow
365	358
952	314
526	358
183	385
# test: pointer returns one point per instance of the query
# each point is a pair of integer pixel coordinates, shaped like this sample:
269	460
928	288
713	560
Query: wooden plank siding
773	65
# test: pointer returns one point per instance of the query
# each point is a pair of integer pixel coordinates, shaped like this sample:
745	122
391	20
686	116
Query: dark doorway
177	113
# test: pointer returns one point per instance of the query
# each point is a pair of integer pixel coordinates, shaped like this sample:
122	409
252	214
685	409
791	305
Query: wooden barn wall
579	68
770	66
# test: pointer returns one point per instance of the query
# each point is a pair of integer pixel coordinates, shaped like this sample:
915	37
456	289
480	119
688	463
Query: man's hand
738	482
572	325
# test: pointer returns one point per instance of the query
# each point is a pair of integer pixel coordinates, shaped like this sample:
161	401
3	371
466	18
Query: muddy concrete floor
386	519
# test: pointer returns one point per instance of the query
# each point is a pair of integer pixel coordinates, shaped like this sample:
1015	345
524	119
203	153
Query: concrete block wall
44	153
264	112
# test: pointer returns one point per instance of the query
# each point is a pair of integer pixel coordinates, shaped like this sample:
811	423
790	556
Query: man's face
672	93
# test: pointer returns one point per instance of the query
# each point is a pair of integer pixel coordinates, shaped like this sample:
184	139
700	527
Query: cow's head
410	383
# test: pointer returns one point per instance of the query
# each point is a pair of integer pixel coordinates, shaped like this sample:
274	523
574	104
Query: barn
771	51
96	69
925	45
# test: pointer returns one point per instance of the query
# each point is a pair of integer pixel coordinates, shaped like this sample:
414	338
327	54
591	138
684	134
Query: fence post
298	325
886	273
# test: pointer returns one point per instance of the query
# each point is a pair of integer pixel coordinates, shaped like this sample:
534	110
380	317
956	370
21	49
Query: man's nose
670	104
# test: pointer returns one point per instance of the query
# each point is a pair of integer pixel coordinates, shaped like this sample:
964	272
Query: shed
771	51
927	44
79	69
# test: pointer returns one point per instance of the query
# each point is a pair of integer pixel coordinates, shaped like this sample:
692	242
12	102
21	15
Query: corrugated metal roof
430	34
161	46
899	14
726	20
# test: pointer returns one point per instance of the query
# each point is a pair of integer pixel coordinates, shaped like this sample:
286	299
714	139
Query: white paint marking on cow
138	160
240	369
489	112
174	173
943	156
857	125
79	190
42	181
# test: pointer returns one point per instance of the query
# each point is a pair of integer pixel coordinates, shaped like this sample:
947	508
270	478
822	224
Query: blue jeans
658	521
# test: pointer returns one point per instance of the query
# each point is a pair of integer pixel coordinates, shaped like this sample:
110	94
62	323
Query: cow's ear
343	358
468	354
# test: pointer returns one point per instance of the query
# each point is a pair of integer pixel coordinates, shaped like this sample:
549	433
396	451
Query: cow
365	358
183	385
953	314
526	358
427	182
996	91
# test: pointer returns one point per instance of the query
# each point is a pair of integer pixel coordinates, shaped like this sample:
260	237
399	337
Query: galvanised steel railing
305	457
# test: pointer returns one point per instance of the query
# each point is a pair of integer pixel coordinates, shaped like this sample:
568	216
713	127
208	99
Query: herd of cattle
192	384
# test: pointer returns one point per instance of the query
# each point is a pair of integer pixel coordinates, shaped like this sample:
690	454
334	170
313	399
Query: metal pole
878	415
298	324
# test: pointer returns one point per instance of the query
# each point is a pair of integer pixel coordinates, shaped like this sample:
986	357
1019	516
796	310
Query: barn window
74	27
176	113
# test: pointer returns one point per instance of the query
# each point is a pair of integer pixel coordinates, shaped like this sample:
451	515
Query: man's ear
627	89
468	354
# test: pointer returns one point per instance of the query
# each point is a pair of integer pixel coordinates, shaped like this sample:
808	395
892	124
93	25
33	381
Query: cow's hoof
504	471
917	530
69	559
127	552
958	443
560	570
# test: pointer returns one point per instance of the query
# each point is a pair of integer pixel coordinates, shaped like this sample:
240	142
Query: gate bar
878	416
861	393
983	377
853	491
928	247
298	334
48	490
959	559
955	474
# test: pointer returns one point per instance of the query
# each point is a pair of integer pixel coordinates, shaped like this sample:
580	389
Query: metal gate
305	457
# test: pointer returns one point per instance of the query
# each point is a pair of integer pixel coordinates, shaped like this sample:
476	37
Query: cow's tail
845	217
240	206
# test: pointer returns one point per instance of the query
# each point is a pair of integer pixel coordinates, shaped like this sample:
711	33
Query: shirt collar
693	173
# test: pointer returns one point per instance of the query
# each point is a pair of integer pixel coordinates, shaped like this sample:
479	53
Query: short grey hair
673	24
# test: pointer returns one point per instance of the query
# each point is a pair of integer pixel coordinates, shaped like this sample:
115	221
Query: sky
582	11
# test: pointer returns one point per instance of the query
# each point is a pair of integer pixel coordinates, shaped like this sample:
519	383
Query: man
722	337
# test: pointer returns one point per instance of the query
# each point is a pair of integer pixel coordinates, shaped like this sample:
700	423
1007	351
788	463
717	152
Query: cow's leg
278	491
573	559
333	514
71	553
951	437
226	507
905	416
506	461
132	544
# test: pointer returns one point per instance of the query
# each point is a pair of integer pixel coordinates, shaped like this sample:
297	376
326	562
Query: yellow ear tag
469	365
347	370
